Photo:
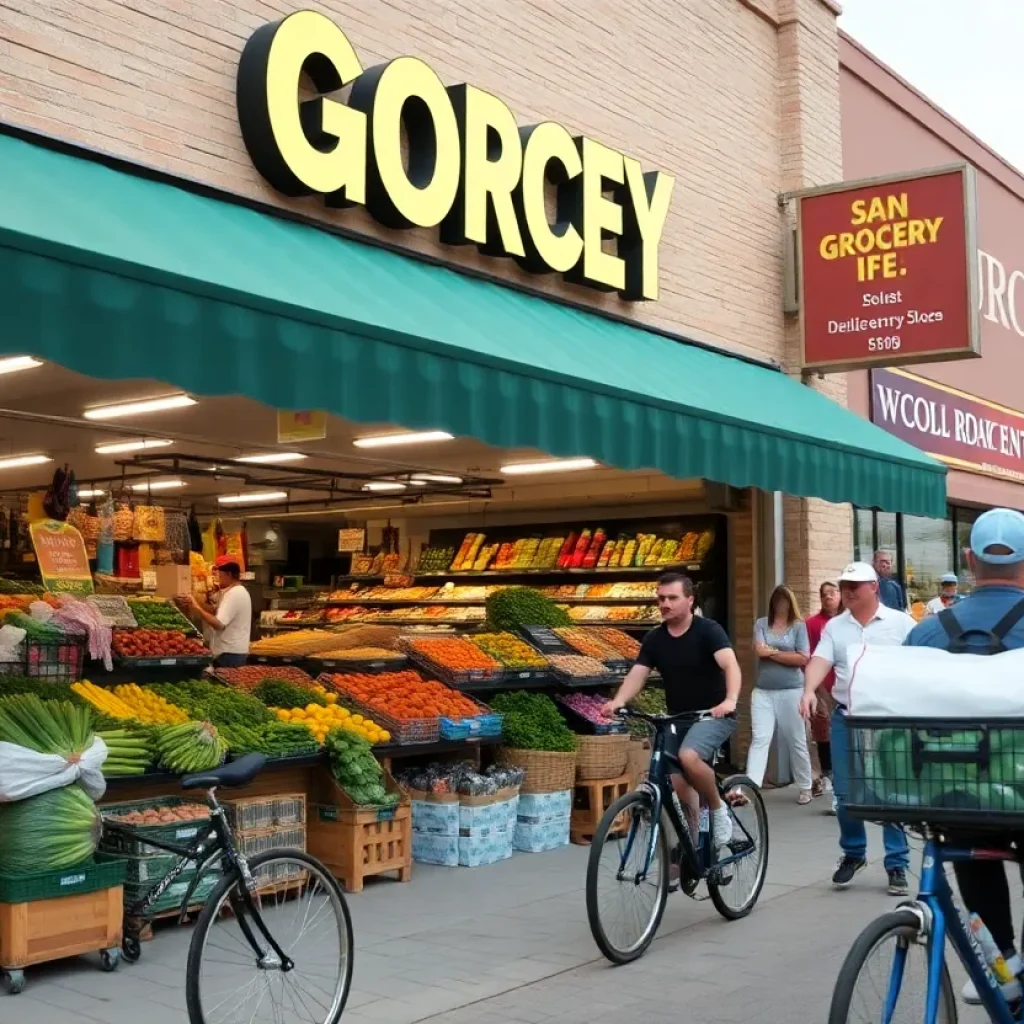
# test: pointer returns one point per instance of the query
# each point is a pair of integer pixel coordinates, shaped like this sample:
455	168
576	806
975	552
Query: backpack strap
1008	621
948	621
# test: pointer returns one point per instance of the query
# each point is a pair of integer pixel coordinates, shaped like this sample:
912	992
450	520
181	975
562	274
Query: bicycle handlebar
696	716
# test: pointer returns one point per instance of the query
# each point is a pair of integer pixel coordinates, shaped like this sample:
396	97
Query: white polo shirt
888	628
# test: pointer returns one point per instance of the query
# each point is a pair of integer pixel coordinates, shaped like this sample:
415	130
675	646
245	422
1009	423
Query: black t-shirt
694	681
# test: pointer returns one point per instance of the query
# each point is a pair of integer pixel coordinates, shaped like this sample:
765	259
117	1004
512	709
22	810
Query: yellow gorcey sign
467	167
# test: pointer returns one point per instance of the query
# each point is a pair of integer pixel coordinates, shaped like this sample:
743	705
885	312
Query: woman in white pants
782	649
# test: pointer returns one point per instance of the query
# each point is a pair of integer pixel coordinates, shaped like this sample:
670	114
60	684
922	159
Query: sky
967	56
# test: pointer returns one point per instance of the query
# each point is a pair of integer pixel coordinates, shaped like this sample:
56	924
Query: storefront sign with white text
469	169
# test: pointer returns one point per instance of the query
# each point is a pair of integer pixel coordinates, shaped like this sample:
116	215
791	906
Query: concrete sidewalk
510	942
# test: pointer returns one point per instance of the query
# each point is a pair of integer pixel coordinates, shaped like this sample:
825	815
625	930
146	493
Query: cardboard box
173	580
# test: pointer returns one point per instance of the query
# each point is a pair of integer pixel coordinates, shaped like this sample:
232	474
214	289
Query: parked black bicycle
632	852
278	918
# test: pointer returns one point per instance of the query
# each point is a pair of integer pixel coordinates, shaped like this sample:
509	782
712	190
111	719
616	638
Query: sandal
804	797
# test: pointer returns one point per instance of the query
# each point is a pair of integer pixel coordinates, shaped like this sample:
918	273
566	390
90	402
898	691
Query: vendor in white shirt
948	595
231	618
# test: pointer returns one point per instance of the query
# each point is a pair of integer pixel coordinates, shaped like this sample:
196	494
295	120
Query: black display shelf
422	603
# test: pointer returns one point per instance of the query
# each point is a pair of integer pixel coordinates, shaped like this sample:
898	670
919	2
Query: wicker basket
602	757
547	771
639	759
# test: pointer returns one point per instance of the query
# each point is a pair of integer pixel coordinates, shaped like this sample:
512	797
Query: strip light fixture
257	497
384	485
390	440
139	408
12	364
120	447
159	485
91	492
434	478
20	461
548	466
270	458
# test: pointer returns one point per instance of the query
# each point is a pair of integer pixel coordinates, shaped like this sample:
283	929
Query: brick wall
691	88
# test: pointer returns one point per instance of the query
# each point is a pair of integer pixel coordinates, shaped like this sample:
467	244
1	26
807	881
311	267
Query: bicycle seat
236	773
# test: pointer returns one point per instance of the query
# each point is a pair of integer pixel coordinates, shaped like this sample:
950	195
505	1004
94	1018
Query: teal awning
116	275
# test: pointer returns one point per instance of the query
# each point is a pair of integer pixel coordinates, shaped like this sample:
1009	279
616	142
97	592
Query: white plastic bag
25	773
924	682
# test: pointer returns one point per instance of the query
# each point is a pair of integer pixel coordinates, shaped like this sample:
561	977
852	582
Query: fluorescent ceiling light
119	447
435	478
548	466
18	461
384	485
254	498
274	457
12	364
387	440
144	405
159	485
90	493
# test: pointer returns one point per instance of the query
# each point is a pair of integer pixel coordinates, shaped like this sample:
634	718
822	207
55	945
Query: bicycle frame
940	919
695	861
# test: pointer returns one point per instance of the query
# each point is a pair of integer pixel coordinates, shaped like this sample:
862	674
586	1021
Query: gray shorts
704	737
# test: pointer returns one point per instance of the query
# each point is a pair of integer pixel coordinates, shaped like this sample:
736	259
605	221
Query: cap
223	561
998	527
949	577
858	572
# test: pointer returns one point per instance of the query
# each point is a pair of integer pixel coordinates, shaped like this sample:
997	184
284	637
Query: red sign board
888	271
959	429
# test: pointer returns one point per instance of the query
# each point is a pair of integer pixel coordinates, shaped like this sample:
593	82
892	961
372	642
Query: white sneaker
721	827
1011	989
834	809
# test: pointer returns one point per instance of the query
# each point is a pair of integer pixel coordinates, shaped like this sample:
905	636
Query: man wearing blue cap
948	596
987	621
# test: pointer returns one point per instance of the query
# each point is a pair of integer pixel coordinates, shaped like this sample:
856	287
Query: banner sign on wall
888	271
961	430
60	551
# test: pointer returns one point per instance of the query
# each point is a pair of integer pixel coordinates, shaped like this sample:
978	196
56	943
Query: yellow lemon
283	714
357	719
331	698
344	713
385	736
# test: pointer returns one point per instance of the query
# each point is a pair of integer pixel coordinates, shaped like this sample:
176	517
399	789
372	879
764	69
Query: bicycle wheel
304	909
736	897
864	985
624	928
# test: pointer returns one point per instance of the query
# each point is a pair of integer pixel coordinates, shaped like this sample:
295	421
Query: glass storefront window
863	535
927	554
885	527
964	518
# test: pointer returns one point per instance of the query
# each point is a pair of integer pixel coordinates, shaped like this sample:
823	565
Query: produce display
405	695
588	706
510	609
149	707
454	654
49	832
293	645
280	694
47	727
210	702
578	666
272	739
249	676
162	815
532	722
321	719
103	700
360	654
356	770
627	646
129	750
435	559
645	614
156	613
587	642
510	651
192	747
651	701
156	643
39	631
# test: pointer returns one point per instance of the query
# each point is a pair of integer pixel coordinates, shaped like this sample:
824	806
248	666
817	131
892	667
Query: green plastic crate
171	900
101	872
146	871
182	833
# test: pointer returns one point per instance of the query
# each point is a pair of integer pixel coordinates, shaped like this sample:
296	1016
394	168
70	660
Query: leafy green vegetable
35	629
49	832
160	615
48	727
214	702
510	609
532	722
356	770
276	693
275	739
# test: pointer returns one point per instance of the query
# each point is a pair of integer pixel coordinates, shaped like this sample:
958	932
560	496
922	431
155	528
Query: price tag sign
351	541
546	640
63	562
149	579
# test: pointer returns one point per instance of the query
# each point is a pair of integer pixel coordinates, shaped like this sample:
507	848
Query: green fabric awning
122	276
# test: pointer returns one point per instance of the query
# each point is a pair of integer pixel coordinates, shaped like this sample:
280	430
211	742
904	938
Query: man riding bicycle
993	612
699	671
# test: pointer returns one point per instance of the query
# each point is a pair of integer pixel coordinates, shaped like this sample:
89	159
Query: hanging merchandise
127	562
56	502
124	522
390	539
234	545
177	541
195	531
149	524
72	490
105	539
209	548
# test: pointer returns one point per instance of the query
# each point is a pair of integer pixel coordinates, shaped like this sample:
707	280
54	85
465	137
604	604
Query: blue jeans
230	660
853	837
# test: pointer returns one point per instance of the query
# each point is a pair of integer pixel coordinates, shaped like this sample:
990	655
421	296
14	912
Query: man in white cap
989	620
948	595
865	620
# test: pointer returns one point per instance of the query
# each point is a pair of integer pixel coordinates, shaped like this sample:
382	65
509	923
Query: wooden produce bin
86	918
355	842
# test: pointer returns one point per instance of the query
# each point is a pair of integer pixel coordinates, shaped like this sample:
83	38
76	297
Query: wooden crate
355	842
42	930
590	800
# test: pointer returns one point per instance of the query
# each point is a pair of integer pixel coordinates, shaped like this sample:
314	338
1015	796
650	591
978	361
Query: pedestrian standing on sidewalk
890	590
781	646
821	732
866	620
